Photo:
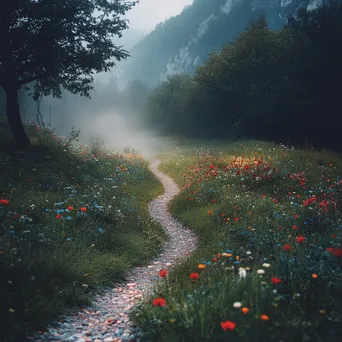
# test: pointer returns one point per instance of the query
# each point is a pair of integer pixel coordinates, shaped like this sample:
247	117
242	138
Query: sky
148	13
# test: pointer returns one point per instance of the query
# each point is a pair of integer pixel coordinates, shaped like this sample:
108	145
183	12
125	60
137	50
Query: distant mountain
183	42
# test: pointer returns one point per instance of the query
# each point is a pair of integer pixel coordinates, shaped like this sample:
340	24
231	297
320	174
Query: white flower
237	305
266	265
260	272
248	252
242	273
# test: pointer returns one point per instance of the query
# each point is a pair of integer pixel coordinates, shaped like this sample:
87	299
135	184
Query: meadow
73	219
268	263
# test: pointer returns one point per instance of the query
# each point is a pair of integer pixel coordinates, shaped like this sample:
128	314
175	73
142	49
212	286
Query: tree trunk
13	115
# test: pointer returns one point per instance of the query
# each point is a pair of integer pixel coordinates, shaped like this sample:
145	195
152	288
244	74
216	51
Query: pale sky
148	13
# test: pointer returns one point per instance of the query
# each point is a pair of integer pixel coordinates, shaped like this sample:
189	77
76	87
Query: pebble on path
106	320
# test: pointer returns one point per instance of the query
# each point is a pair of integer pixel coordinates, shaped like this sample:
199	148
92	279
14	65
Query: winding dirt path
107	319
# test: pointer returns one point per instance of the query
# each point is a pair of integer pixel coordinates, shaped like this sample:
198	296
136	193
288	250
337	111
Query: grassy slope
251	220
50	257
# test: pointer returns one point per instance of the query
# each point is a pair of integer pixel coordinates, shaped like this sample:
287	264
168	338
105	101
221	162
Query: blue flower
100	230
68	239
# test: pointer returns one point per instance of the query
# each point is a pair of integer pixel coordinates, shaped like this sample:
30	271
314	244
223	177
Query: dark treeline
281	85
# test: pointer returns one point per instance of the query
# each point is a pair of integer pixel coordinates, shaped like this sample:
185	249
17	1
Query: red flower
296	216
276	281
3	201
194	276
58	216
338	252
294	227
215	259
211	167
159	302
163	273
228	325
70	208
287	247
300	239
83	209
330	249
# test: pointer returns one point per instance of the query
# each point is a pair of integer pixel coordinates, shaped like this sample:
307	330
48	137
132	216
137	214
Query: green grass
52	257
245	224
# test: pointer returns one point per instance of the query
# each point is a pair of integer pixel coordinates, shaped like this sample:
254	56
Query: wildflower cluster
275	216
65	218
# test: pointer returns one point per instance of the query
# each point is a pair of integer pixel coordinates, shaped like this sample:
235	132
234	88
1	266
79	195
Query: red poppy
163	273
276	281
296	216
3	201
287	247
215	259
58	216
228	325
338	252
300	239
159	302
70	208
83	209
194	276
330	249
294	227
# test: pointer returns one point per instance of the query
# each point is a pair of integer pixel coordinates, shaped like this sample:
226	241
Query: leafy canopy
60	43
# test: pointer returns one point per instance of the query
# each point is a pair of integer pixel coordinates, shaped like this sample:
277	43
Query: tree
47	45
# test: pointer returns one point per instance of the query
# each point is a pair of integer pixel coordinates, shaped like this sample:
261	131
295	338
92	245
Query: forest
277	85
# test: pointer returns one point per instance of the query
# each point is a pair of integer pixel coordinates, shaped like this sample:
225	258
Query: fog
148	13
109	114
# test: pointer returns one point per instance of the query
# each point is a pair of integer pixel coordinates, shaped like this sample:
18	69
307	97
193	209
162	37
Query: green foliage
167	104
72	219
246	201
268	84
58	43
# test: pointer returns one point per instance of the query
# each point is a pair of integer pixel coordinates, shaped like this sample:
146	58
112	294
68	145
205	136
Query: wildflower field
269	262
72	218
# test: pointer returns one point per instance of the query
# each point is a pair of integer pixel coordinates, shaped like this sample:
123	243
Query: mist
109	116
112	114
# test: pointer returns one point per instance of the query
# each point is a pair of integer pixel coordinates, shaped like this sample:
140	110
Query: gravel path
107	319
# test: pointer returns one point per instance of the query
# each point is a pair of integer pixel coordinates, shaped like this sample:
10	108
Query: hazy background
104	115
148	13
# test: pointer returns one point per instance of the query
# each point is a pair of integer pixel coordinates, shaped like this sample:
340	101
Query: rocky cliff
183	42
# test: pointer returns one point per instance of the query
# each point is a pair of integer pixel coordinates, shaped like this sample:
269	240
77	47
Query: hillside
183	42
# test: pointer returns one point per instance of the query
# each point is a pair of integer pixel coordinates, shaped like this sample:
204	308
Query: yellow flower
172	320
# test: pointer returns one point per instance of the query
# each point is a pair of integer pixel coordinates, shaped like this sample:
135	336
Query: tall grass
72	218
269	257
